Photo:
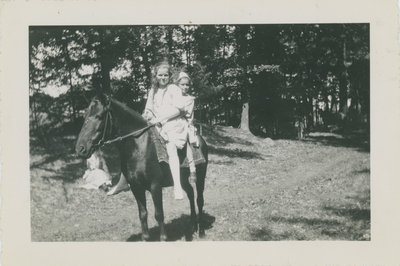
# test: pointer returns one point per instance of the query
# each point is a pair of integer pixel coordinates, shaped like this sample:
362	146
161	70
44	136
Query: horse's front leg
187	187
140	196
156	193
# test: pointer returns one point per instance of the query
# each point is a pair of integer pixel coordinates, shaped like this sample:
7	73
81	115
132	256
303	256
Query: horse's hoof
195	228
116	190
163	238
145	238
202	234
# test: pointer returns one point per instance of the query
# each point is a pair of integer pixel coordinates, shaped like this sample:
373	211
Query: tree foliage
314	73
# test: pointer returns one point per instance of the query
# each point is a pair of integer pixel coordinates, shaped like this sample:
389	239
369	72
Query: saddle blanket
162	154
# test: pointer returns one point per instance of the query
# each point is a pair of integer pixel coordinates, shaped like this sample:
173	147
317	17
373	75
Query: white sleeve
176	94
149	102
189	106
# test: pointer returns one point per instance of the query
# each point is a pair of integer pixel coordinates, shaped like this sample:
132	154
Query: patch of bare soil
256	189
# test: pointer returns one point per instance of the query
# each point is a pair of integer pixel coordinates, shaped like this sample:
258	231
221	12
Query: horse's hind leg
140	196
200	198
156	193
190	193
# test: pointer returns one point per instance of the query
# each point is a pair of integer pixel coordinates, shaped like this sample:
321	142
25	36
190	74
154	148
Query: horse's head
93	128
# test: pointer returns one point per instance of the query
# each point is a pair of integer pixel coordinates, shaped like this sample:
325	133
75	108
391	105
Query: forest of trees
265	78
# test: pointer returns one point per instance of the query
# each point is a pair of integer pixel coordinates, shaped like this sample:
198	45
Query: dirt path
256	189
295	190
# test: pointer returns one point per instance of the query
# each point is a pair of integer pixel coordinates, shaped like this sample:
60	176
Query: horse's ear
100	96
104	99
97	88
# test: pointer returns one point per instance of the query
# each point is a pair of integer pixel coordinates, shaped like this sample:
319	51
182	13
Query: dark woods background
269	79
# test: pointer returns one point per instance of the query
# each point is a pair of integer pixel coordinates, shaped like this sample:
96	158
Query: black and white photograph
252	132
188	133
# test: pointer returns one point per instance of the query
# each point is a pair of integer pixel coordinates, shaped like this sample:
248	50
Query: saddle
162	154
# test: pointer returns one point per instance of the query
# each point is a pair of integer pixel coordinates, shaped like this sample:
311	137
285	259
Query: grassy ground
256	190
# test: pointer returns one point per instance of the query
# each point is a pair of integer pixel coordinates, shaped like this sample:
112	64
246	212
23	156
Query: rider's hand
148	116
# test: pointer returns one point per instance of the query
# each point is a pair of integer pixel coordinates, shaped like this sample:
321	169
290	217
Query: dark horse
109	120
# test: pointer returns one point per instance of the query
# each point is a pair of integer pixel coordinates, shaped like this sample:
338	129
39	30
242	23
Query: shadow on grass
48	158
60	147
219	162
355	227
306	221
54	145
69	167
357	224
354	214
360	142
176	229
68	174
216	138
363	171
234	153
266	234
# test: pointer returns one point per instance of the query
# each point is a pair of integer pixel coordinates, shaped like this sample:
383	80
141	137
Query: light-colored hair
154	82
183	75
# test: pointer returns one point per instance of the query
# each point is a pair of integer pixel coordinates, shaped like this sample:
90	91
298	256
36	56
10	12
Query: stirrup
196	144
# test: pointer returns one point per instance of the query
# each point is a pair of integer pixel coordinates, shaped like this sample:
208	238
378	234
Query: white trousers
174	165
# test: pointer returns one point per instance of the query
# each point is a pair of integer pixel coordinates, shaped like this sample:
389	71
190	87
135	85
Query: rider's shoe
121	186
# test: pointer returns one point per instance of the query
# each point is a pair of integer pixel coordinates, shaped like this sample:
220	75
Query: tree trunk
344	83
244	121
343	93
227	106
105	74
187	46
35	116
105	62
68	62
146	60
170	44
72	100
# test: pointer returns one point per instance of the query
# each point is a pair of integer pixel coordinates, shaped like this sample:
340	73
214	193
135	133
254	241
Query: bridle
109	123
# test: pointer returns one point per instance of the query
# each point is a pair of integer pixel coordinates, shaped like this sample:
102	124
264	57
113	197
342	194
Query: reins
134	134
102	142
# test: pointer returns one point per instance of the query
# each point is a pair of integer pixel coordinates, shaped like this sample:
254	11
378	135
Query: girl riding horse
164	107
109	121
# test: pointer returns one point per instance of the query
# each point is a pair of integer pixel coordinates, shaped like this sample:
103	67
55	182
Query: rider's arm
148	112
175	106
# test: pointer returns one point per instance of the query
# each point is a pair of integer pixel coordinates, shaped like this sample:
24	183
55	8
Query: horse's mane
128	110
